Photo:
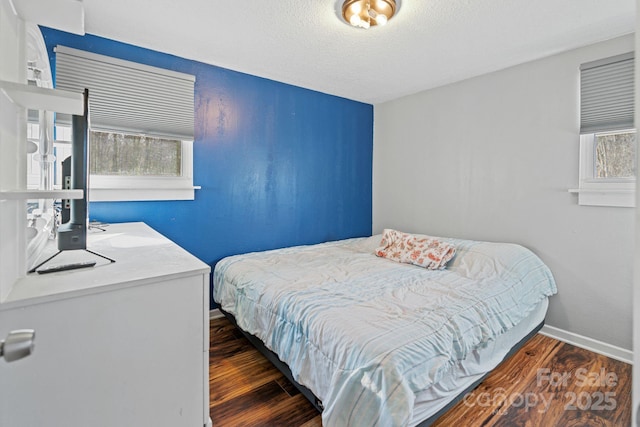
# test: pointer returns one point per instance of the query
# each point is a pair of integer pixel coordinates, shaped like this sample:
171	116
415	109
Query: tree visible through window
615	155
121	154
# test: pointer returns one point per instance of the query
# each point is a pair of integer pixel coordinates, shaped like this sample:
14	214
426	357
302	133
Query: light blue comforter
366	334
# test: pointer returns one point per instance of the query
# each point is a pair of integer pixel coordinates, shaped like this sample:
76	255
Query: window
608	168
141	137
615	155
607	136
122	154
139	167
124	166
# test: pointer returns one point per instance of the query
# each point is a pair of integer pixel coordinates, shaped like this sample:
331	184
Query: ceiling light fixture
367	13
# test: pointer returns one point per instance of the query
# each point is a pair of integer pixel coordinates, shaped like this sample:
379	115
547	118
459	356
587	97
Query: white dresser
118	344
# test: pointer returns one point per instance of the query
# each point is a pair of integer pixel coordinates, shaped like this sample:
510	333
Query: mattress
370	337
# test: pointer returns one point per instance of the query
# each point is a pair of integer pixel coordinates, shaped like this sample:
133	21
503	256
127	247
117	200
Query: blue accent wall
279	165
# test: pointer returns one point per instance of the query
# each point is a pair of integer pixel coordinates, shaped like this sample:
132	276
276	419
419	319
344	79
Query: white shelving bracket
40	194
39	98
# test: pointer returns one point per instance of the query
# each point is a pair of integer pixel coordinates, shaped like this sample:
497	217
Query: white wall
491	158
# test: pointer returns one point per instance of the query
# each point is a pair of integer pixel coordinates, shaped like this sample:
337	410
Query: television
73	234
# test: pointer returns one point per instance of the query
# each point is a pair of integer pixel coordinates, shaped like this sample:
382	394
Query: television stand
64	267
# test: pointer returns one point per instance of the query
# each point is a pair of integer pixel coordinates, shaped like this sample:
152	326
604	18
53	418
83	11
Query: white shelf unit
41	194
104	333
39	98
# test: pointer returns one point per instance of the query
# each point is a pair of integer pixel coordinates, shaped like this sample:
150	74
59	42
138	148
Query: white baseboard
590	344
215	314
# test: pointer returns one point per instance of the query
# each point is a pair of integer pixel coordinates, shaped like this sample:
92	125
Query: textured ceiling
303	42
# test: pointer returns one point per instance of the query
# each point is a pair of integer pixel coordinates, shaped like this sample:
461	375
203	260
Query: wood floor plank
230	381
526	390
487	401
314	422
569	381
268	405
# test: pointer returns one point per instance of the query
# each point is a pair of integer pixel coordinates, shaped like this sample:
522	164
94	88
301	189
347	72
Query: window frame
593	191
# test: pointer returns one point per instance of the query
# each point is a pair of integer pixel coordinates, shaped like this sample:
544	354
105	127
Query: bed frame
317	403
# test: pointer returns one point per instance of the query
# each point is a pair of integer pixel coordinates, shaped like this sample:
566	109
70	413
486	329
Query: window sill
624	198
141	194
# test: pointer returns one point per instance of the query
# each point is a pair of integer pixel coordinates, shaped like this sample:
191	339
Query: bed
375	342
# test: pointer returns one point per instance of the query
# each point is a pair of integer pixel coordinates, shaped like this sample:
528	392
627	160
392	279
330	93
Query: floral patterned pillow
427	252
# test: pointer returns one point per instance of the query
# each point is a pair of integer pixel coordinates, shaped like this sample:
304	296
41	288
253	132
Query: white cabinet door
126	357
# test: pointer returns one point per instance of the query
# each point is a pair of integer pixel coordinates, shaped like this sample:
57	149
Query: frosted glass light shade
368	13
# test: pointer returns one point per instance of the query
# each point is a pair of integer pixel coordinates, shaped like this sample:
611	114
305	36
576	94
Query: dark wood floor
547	383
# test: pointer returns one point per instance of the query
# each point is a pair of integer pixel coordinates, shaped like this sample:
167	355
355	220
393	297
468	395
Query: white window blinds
607	94
127	96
